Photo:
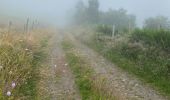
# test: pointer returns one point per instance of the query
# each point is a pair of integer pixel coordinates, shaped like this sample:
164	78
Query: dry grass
92	86
18	57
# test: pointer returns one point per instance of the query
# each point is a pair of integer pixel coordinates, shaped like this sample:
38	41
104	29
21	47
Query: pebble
136	85
64	71
123	80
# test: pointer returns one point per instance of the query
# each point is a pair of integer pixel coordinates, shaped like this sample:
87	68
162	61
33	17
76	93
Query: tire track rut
57	81
124	85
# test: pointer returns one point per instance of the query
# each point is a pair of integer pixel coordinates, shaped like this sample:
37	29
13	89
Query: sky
57	11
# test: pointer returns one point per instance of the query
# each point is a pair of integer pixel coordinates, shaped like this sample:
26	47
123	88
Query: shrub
104	29
158	38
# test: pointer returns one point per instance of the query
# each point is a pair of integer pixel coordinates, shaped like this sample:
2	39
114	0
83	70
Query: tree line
90	14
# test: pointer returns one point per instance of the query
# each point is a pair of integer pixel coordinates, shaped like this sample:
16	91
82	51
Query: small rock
136	85
64	71
124	80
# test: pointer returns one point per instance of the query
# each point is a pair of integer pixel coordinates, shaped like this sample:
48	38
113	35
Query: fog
59	11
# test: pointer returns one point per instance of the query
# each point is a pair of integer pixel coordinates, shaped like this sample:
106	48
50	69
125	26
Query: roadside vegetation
144	53
20	56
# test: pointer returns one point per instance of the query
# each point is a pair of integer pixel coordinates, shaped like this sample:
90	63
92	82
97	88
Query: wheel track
57	81
124	85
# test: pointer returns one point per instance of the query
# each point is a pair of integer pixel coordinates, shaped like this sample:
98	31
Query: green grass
19	59
84	76
29	89
158	38
148	68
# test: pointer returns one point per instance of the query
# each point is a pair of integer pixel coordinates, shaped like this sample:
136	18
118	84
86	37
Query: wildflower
55	66
13	84
8	93
1	67
26	49
66	64
10	72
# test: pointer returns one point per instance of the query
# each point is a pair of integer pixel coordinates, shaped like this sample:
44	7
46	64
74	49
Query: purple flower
13	84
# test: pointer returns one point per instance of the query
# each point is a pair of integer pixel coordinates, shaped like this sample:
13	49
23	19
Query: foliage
158	38
157	23
104	29
19	57
119	18
92	15
87	14
146	55
93	11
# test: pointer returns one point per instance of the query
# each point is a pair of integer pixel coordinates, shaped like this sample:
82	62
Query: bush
132	51
145	54
158	38
104	29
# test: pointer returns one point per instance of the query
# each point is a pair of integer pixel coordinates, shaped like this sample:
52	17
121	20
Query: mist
84	49
58	12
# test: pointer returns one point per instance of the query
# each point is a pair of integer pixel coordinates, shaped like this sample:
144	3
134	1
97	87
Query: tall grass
19	56
158	38
145	54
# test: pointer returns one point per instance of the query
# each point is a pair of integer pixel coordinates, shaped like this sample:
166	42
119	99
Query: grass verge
20	56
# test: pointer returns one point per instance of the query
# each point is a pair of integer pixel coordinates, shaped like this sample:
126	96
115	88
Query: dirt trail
57	81
125	86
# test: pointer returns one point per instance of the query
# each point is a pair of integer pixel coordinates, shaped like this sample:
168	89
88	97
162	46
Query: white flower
8	93
55	66
1	67
13	84
66	64
10	72
26	49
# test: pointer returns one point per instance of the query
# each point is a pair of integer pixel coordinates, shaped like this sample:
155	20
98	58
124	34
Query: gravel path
57	81
124	85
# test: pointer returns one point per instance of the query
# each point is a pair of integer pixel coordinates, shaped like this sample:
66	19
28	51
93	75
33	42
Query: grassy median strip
84	76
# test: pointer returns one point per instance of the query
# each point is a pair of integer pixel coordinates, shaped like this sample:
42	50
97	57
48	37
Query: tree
119	18
93	11
80	15
156	23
